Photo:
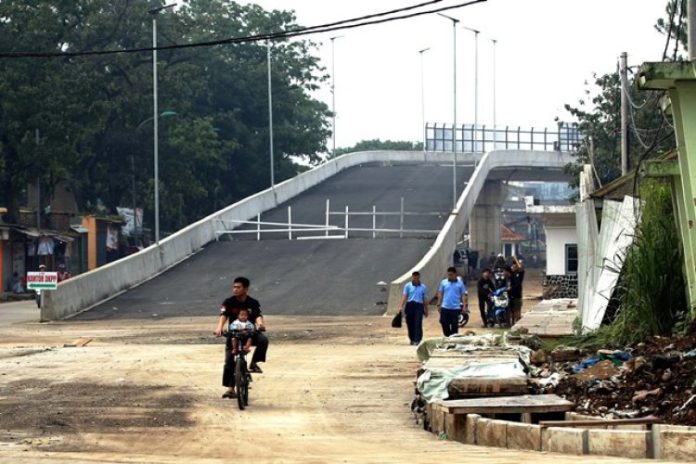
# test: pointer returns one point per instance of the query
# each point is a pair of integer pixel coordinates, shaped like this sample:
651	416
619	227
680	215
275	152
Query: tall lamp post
333	92
476	74
495	41
425	135
154	12
162	115
454	104
270	112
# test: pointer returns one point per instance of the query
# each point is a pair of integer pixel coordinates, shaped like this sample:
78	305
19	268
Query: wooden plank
487	386
601	422
508	405
80	342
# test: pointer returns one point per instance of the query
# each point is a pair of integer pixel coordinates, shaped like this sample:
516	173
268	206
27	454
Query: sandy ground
336	389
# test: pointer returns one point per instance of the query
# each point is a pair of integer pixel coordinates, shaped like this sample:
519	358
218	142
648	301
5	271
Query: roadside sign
42	280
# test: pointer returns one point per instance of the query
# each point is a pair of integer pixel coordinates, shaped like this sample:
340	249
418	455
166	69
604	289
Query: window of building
571	258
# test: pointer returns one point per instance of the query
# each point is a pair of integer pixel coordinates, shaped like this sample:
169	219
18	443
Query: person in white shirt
242	324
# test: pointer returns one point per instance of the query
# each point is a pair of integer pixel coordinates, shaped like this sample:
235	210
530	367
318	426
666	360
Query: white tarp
433	383
615	236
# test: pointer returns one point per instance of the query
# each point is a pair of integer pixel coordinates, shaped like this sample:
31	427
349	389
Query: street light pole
154	12
495	41
270	112
476	74
454	104
421	52
333	93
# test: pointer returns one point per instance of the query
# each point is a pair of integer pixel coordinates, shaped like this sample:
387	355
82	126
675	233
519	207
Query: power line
329	27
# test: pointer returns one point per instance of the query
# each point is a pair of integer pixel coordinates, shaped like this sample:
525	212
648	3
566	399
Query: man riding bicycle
229	311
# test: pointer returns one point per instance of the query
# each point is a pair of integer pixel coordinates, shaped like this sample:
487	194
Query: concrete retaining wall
434	264
668	442
86	290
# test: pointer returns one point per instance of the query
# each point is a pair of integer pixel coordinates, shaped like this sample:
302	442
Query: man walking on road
229	311
415	298
452	299
516	279
486	287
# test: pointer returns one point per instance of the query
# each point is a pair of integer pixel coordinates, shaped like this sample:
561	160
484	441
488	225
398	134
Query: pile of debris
656	378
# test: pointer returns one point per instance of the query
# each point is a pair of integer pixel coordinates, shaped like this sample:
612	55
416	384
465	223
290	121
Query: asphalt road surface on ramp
329	277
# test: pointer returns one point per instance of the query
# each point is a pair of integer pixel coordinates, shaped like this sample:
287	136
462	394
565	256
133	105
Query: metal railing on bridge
298	231
480	139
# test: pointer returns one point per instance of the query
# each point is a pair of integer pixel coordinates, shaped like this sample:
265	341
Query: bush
651	289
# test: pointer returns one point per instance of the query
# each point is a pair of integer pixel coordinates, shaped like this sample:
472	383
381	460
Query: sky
546	51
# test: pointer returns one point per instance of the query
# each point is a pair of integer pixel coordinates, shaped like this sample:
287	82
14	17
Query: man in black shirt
229	310
516	279
486	286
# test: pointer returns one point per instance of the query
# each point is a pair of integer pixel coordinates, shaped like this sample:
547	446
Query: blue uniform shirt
415	293
452	293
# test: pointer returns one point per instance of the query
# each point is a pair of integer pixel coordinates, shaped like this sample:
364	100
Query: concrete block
674	442
523	436
624	443
491	432
470	428
564	440
455	427
437	421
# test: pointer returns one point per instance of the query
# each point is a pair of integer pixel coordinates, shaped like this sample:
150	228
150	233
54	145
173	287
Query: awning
35	233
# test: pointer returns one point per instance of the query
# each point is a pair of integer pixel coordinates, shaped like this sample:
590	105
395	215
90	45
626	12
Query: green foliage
92	111
651	289
598	114
377	144
599	119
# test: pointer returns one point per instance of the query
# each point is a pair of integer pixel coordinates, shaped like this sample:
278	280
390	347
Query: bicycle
242	376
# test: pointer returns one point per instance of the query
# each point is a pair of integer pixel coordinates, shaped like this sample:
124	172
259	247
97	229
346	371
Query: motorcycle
498	311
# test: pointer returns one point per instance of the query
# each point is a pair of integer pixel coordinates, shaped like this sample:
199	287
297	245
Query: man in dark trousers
486	287
415	298
516	279
229	311
452	299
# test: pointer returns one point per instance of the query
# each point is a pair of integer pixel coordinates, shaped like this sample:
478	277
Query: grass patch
651	290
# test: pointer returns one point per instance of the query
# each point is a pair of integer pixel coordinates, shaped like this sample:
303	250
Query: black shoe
255	369
229	394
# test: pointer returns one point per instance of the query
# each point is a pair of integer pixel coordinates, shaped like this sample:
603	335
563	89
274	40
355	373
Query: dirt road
336	389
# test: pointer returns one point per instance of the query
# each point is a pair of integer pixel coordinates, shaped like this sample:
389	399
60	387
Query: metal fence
480	139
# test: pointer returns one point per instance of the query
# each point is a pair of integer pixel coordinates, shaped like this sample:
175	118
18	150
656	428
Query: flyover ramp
86	290
329	277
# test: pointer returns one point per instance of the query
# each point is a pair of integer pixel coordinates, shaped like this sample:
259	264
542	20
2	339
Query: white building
561	248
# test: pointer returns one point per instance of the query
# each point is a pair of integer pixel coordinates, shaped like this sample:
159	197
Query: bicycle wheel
240	383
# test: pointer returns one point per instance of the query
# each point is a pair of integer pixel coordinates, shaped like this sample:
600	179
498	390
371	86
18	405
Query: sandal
255	369
229	394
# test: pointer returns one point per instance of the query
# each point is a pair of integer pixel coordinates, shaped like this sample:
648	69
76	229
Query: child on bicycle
242	324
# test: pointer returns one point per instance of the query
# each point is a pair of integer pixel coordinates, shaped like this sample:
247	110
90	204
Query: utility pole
38	188
270	113
691	28
333	92
624	113
425	135
476	75
495	41
155	114
454	105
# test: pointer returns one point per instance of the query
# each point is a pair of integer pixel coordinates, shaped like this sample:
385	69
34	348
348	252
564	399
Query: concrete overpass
186	263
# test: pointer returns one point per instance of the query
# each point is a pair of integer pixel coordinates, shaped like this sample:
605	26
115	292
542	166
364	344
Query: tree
377	144
599	113
92	112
